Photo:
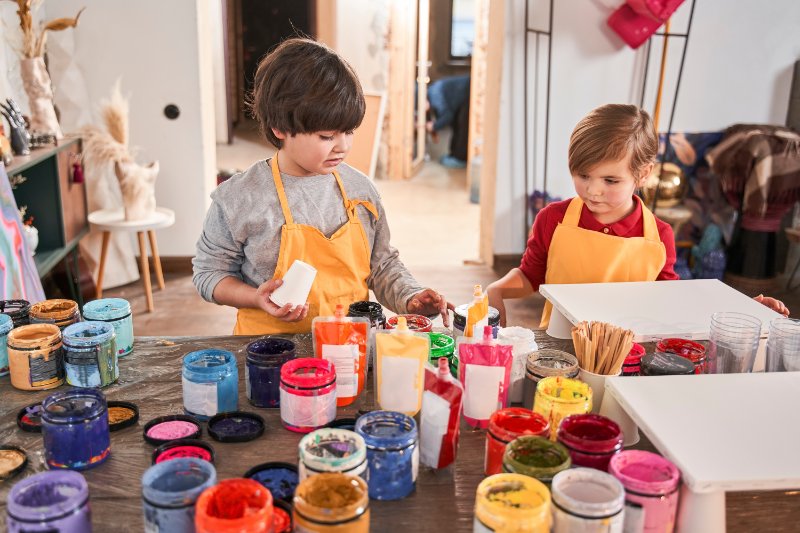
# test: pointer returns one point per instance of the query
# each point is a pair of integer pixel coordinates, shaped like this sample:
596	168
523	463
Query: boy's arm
515	284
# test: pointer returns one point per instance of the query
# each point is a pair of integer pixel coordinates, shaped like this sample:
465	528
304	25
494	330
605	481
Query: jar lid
691	350
634	357
282	516
460	315
171	427
29	418
442	345
181	448
373	310
13	460
666	364
235	426
280	478
414	323
343	423
308	373
122	415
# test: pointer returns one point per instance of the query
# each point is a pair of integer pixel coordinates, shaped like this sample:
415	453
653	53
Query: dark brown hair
609	133
303	86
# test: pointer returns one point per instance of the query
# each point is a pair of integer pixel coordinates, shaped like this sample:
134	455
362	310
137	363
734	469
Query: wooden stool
108	220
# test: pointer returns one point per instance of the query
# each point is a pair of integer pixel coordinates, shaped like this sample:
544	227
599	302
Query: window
462	28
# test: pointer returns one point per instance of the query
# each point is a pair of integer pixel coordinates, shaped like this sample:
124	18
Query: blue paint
6	324
117	312
90	354
280	478
210	383
170	490
392	453
265	357
75	429
50	501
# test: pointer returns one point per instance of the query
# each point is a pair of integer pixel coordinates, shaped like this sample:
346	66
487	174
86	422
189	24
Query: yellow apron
342	263
580	255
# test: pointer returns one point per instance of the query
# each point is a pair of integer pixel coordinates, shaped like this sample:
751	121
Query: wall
361	38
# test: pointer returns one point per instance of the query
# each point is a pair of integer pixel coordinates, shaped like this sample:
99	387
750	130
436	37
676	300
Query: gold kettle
672	188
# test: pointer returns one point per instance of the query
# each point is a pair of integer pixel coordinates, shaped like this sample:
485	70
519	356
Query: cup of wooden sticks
601	349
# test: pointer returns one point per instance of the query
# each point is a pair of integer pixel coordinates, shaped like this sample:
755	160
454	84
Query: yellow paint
513	503
557	398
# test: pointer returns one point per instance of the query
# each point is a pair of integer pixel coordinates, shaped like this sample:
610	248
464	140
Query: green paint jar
442	345
536	457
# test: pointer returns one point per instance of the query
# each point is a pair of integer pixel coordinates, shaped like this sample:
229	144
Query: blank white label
433	427
200	398
345	359
400	381
482	390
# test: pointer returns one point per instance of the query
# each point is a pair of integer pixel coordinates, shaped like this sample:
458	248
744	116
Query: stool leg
156	259
102	267
789	287
145	267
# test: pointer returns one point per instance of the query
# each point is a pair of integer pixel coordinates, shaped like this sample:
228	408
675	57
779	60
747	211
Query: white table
108	220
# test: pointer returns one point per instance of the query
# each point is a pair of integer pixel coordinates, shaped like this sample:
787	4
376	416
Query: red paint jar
506	425
631	365
418	323
693	351
592	440
308	394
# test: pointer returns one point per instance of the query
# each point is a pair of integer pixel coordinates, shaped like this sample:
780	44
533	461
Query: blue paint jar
75	429
117	312
210	383
90	354
6	324
262	371
392	453
49	501
169	492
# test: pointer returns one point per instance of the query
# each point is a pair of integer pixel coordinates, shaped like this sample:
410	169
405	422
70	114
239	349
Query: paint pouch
400	355
440	417
343	341
485	373
477	313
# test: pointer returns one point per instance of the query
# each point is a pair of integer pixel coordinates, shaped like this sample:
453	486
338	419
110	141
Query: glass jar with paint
666	364
262	370
60	312
36	357
377	320
18	310
234	506
484	372
392	453
343	341
90	354
693	351
442	345
556	398
586	500
332	503
418	323
460	319
332	450
308	394
651	488
592	440
50	501
512	502
544	364
523	342
117	312
506	425
440	417
170	490
210	383
183	449
631	365
6	325
536	457
281	479
75	429
400	356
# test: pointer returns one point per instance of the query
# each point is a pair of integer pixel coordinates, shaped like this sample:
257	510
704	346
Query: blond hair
609	133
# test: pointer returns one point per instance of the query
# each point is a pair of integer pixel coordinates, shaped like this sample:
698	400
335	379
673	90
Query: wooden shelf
24	162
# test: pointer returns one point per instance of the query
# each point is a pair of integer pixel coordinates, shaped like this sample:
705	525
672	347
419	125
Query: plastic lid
634	357
280	478
235	426
178	449
666	364
29	418
13	460
171	427
122	415
442	345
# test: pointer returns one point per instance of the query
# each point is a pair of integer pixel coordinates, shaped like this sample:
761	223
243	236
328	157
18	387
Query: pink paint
171	430
184	451
652	482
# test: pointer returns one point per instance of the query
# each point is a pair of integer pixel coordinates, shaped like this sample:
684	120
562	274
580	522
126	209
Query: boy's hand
496	301
429	302
285	313
772	303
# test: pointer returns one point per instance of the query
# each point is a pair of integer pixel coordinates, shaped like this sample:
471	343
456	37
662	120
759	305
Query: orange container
36	357
60	312
234	506
344	342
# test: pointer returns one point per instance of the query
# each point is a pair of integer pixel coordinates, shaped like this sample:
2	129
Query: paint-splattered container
332	503
170	490
377	320
262	370
592	440
506	425
36	357
6	324
442	345
75	429
512	502
308	394
543	364
332	450
18	310
536	457
418	323
117	312
210	383
586	500
60	312
556	398
234	505
49	501
392	453
631	365
693	351
90	354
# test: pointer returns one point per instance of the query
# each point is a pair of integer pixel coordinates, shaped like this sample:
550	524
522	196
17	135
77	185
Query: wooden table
443	500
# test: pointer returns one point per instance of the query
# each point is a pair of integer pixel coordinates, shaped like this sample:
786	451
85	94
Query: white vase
31	237
36	81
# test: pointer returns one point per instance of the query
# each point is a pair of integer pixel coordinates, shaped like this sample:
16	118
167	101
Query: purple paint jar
262	371
75	429
49	501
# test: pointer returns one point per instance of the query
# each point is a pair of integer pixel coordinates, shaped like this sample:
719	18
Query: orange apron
342	263
580	255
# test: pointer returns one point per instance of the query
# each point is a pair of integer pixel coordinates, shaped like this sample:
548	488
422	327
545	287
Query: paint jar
308	394
556	398
512	502
666	364
117	312
592	440
332	450
18	310
536	457
418	323
282	516
60	312
332	503
262	370
543	364
234	506
90	354
506	425
210	383
36	357
75	429
523	341
49	501
632	363
651	485
6	324
460	319
183	449
586	500
392	453
374	312
170	490
693	351
442	345
281	479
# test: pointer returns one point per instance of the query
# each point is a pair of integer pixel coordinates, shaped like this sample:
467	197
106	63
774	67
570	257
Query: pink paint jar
592	440
308	394
631	365
651	488
693	351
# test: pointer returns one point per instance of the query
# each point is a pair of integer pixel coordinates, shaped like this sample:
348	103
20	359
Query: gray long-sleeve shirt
242	231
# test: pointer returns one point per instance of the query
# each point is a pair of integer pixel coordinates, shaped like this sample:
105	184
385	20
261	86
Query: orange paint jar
234	506
36	357
332	503
60	312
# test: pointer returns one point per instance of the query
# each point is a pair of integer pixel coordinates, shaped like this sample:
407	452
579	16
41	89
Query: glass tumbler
783	345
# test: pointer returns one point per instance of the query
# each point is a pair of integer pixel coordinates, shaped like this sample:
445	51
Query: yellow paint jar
332	503
35	357
60	312
512	503
558	397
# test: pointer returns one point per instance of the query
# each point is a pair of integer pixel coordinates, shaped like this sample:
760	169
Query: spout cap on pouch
477	291
487	334
339	312
402	325
444	367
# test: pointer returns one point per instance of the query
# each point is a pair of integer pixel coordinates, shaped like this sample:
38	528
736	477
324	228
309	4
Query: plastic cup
296	285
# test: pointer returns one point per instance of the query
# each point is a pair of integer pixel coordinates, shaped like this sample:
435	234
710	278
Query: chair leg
102	266
145	267
156	259
789	287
